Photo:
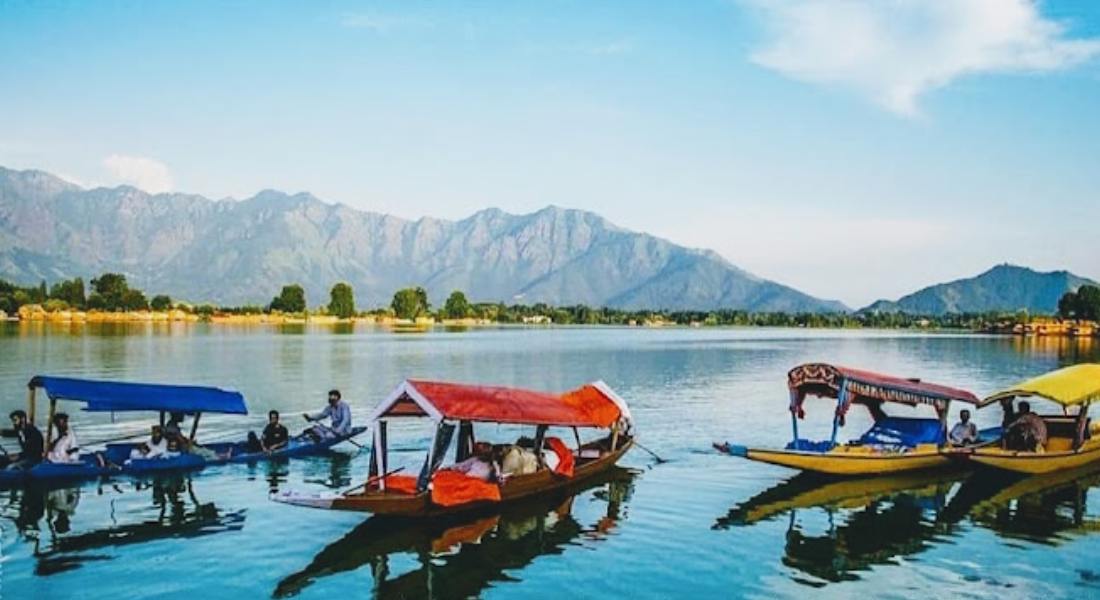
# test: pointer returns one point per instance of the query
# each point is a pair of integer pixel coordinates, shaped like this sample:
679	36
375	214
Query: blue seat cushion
901	431
810	445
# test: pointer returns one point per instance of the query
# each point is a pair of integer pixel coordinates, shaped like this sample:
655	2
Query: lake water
699	525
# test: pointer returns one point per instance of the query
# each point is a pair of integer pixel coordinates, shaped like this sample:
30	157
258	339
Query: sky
852	149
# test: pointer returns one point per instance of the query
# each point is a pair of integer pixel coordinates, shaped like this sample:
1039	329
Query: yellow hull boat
1035	463
852	460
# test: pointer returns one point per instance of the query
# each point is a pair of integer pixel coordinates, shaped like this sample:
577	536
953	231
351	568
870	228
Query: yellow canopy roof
1069	386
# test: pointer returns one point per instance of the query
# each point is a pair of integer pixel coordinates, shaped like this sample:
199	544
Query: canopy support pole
1082	426
841	398
49	424
614	436
577	436
794	417
380	452
31	404
162	419
195	426
540	439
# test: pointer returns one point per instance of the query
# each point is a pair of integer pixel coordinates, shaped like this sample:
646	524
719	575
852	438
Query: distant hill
1004	287
241	251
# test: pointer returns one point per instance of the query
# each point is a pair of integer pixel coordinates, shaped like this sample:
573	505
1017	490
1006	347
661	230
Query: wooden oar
374	479
333	432
651	453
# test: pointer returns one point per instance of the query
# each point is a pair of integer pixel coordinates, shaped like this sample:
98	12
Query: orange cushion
401	484
565	456
450	488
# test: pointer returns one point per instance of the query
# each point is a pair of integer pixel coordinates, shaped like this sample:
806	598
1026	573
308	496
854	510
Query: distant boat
892	445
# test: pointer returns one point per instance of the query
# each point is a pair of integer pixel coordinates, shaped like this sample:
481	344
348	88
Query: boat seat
903	431
810	445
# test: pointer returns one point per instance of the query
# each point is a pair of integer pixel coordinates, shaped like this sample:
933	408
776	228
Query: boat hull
1035	463
421	506
852	464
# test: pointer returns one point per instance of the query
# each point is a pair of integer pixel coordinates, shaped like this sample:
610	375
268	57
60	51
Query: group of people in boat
168	440
496	463
1023	430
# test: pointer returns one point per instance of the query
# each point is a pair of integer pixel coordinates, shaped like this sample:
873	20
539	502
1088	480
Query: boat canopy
592	405
820	379
114	396
1079	384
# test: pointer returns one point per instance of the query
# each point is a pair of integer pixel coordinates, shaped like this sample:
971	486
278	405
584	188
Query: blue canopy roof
113	396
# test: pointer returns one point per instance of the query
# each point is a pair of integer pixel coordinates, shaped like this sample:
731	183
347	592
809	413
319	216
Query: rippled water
698	525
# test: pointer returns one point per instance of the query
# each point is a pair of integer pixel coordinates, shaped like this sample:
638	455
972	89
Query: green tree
341	301
1088	303
1067	305
292	299
410	303
161	302
109	292
456	306
70	291
134	300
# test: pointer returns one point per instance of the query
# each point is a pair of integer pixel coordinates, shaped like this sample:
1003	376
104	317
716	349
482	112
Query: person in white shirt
964	432
156	447
64	449
480	465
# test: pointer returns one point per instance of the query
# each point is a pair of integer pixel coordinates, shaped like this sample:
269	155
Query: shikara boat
438	492
1070	443
893	444
116	397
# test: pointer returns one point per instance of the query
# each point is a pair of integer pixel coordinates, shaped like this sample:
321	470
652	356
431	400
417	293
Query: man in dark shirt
275	434
31	444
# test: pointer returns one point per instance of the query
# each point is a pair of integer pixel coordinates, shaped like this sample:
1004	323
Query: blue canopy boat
110	396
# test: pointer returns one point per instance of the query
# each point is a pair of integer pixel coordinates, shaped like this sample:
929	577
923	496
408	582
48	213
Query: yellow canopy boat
1069	443
893	445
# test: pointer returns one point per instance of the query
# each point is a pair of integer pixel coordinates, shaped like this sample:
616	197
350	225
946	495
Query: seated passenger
1028	432
275	434
964	432
339	415
516	460
31	446
63	450
173	429
156	447
480	465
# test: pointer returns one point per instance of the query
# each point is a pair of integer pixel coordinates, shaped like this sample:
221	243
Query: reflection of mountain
460	557
178	514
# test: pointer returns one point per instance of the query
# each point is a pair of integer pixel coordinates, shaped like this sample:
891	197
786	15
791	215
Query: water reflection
460	557
44	518
876	521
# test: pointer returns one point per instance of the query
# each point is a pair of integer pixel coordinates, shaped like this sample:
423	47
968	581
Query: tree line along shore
110	298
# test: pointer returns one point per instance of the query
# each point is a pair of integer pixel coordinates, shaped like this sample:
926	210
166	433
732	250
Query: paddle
651	453
374	479
333	432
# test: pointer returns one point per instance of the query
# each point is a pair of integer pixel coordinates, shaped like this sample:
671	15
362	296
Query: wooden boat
455	406
1070	443
113	396
892	445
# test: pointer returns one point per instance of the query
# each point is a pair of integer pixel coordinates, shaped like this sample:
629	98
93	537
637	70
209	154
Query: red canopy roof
822	379
593	405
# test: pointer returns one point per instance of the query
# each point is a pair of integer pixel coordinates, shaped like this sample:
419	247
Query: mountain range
1004	287
242	251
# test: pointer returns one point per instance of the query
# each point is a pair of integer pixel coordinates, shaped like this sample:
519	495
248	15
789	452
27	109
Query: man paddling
339	414
31	444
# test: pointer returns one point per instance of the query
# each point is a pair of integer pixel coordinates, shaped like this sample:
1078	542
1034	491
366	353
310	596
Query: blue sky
854	149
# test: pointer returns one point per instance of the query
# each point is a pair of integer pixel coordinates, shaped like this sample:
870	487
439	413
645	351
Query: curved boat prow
732	449
323	500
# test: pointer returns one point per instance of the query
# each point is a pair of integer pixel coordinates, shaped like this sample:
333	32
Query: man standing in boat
339	414
31	444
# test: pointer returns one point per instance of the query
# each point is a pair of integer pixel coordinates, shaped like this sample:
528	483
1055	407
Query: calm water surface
699	525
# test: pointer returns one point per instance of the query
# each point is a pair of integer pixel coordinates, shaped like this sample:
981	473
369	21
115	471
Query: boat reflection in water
875	521
460	556
44	518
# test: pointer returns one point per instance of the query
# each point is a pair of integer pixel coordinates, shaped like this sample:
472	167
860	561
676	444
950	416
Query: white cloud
896	51
144	173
